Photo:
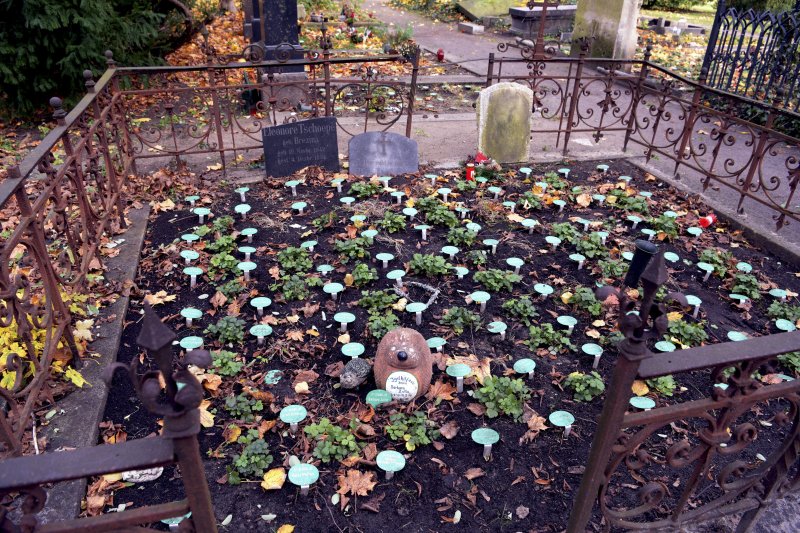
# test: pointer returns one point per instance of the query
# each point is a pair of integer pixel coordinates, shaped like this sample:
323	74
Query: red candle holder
470	171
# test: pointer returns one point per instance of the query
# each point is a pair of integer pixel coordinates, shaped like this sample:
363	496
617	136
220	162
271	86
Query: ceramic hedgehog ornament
403	364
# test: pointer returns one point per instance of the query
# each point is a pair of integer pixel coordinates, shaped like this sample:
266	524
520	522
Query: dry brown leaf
309	376
441	390
449	430
476	409
218	299
474	473
356	483
309	309
536	424
295	335
231	433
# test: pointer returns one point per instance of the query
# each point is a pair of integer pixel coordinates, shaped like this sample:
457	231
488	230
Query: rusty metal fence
642	108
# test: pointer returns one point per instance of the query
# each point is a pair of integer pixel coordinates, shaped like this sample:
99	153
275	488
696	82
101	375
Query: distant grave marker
383	153
290	147
504	122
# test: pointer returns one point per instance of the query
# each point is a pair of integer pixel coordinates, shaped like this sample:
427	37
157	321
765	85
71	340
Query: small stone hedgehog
403	364
355	373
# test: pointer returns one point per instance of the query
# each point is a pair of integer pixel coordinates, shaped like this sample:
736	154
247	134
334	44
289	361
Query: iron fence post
187	451
126	147
216	112
413	90
713	36
576	89
636	97
490	69
688	125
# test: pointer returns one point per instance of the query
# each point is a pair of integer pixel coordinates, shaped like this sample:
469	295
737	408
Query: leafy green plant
227	330
224	244
461	318
352	249
392	222
613	268
791	361
466	186
253	461
363	274
585	387
442	216
496	280
529	201
294	260
428	204
231	288
242	407
784	310
221	265
379	324
592	246
566	232
746	284
324	221
664	225
365	189
293	288
546	336
620	199
429	265
461	237
583	298
333	442
555	181
477	258
503	395
687	333
378	301
665	385
222	224
719	259
522	309
225	363
415	429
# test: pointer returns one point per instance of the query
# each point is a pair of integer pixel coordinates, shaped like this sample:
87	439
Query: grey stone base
470	28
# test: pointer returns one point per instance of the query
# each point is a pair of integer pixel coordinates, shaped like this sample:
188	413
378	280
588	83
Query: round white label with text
402	386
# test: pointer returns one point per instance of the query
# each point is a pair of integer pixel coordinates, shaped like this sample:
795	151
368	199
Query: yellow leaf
344	338
292	318
675	315
312	332
640	388
514	217
232	433
218	166
583	200
83	330
206	418
480	369
593	333
159	298
75	377
274	479
286	528
112	478
301	388
400	305
566	297
599	323
348	280
611	200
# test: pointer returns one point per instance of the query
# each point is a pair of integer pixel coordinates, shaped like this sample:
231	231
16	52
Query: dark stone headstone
290	147
383	153
274	25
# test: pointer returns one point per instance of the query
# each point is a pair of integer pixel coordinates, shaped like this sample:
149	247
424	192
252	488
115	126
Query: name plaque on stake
290	147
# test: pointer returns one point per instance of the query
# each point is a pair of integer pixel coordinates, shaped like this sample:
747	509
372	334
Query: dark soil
541	476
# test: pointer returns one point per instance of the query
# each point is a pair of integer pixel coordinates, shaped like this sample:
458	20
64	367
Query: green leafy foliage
784	310
746	284
496	280
522	309
529	201
244	408
415	429
379	324
333	442
591	246
613	268
378	301
664	225
352	249
585	387
222	265
222	225
503	395
566	232
294	287
460	319
224	244
477	258
687	333
555	181
462	237
253	461
365	189
466	186
392	222
294	260
231	288
791	361
583	298
665	385
227	330
225	363
429	265
442	216
325	221
363	275
634	203
719	259
546	336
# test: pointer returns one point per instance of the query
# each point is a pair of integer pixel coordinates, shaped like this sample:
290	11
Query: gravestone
274	24
477	9
504	121
290	147
383	153
610	26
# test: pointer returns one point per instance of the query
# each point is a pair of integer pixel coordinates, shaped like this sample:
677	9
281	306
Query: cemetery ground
333	247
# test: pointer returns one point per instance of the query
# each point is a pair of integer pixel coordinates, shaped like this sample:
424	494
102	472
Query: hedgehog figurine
355	373
404	364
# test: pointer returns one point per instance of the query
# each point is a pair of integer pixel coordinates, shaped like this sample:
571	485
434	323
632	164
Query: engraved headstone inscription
383	153
292	146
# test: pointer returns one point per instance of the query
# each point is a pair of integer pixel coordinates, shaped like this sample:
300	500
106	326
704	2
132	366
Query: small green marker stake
585	223
444	191
529	224
292	184
242	191
247	251
562	419
249	232
417	308
498	327
665	346
526	172
378	397
242	209
578	258
492	243
246	267
370	235
694	231
485	437
338	184
560	204
746	268
308	245
481	297
347	200
193	272
260	331
293	415
785	325
384	258
353	349
634	220
568	321
707	268
780	294
603	168
474	227
432	177
303	475
695	302
516	263
599	198
202	213
495	191
525	366
325	269
451	251
260	303
603	236
564	172
544	289
459	371
511	206
424	229
672	257
390	462
299	207
650	233
397	277
436	343
385	181
553	241
192	199
410	212
463	211
642	402
398	195
190	313
343	319
333	289
461	271
189	256
191	343
595	350
174	523
737	336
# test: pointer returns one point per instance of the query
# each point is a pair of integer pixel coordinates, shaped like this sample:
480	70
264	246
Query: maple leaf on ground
83	330
441	391
480	369
536	424
309	309
356	483
295	335
159	298
218	299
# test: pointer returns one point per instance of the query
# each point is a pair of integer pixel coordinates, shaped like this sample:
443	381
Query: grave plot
292	284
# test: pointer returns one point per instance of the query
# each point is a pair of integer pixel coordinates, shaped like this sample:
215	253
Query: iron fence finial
110	63
89	83
58	111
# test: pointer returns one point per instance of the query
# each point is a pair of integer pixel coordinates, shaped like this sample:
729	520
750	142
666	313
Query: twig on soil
327	506
428	288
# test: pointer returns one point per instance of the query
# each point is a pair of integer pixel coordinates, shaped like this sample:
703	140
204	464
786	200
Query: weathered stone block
477	9
469	27
504	122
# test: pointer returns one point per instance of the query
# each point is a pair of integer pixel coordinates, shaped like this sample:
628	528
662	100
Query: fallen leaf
441	390
274	479
206	417
449	430
566	297
522	512
640	388
301	388
356	483
476	409
295	335
159	298
285	528
231	433
480	369
536	424
218	300
83	330
583	200
348	280
474	473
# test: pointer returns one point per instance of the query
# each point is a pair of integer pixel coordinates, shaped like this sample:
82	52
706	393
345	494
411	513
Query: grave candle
470	172
486	437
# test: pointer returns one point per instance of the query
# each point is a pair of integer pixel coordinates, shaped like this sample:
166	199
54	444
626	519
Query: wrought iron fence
669	117
755	53
644	474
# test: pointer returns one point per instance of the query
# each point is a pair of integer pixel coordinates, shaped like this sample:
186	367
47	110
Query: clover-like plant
294	260
477	258
566	232
612	268
592	246
227	330
503	395
664	226
665	385
585	387
294	287
221	265
415	429
224	244
379	324
363	275
687	333
392	222
365	189
243	407
461	237
782	310
378	301
522	309
746	284
429	265
253	461
333	442
325	221
460	319
226	363
554	181
352	249
583	298
546	336
719	259
496	280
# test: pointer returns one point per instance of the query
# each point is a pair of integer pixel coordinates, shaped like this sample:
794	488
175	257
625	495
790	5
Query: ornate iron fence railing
755	53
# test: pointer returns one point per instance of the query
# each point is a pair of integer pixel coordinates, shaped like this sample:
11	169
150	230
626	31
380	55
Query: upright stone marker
290	147
504	122
274	23
610	25
383	153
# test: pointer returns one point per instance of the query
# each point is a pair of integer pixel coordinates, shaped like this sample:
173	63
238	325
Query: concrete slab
470	28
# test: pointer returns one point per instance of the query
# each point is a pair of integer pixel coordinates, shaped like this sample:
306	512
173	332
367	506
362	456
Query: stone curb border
78	425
